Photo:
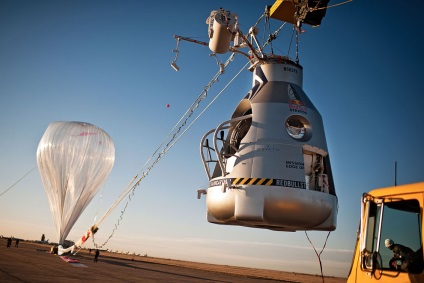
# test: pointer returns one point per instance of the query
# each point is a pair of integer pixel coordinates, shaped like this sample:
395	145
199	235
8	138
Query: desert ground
32	262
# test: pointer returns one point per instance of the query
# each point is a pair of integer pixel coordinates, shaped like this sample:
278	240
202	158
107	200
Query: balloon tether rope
169	145
319	254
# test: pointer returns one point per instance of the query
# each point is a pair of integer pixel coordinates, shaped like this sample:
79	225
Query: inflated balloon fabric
74	160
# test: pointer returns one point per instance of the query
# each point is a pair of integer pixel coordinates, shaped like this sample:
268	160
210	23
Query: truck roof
398	190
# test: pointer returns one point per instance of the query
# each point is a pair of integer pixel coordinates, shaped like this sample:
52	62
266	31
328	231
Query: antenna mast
395	173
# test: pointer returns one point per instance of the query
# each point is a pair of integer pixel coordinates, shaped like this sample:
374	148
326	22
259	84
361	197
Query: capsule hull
272	167
272	207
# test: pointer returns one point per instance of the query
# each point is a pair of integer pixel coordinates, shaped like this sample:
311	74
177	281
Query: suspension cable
213	100
14	184
175	137
332	6
274	35
319	254
291	41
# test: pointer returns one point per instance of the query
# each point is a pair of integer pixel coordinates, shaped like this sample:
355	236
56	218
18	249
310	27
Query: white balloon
74	161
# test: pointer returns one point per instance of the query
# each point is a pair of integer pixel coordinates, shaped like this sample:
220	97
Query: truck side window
394	222
402	224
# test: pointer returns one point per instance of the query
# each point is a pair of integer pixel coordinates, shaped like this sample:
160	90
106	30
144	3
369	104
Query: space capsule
268	165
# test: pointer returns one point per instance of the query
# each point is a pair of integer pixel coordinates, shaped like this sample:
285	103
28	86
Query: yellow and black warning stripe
252	181
259	182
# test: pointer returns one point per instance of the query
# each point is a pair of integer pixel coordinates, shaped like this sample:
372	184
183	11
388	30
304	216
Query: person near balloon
9	242
96	255
17	243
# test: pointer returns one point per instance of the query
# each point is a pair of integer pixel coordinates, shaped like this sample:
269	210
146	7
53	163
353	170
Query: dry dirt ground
32	262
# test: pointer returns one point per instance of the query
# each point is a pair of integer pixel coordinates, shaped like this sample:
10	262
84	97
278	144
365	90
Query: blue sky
108	63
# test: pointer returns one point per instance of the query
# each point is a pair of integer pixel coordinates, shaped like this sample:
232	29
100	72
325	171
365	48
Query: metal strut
176	50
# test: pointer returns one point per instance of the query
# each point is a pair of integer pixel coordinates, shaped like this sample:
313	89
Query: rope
257	21
98	205
116	224
267	28
273	36
291	41
18	181
175	137
319	254
216	97
335	5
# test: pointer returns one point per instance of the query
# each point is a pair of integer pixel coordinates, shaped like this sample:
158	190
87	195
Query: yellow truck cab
389	245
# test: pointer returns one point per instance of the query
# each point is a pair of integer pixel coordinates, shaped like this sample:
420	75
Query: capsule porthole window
298	127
